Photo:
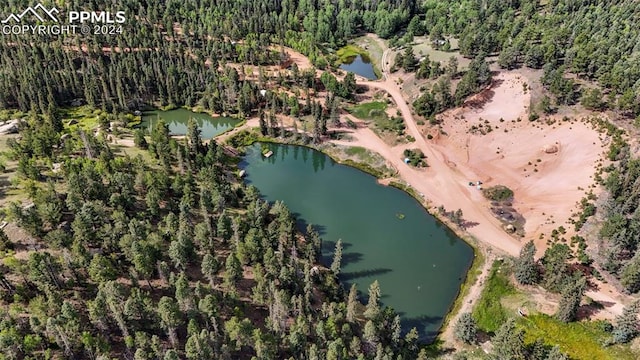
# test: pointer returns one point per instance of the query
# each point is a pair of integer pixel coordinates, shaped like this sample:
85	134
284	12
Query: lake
360	66
387	235
178	119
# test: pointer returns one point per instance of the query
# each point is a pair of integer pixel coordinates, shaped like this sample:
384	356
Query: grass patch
10	114
406	188
364	167
244	138
374	110
356	151
359	158
85	116
579	340
489	312
134	151
348	52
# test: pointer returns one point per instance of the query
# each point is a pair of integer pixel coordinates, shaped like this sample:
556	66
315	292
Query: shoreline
198	110
349	53
480	253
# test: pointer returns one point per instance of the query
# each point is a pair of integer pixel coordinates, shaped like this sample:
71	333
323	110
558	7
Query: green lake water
418	261
177	120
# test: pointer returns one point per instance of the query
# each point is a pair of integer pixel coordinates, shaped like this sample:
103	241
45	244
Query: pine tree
352	303
570	300
171	354
101	269
465	328
170	316
526	269
630	274
508	342
372	311
334	115
349	85
139	140
396	330
194	139
627	325
210	267
263	124
337	258
409	59
370	332
183	293
233	272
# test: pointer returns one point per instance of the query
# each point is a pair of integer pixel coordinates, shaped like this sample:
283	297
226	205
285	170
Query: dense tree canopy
595	40
168	278
141	66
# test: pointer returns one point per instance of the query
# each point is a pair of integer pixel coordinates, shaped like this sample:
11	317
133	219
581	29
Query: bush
498	193
5	243
139	140
415	157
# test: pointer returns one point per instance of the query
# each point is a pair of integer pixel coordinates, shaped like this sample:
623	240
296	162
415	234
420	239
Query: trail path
469	300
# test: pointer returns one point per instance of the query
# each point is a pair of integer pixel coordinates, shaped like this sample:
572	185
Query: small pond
361	66
178	119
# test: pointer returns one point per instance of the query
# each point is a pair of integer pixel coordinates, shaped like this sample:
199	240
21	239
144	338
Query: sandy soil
546	183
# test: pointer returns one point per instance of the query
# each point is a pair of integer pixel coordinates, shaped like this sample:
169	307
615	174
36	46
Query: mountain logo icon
39	12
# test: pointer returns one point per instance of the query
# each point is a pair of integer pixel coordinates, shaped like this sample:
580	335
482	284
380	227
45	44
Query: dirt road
443	183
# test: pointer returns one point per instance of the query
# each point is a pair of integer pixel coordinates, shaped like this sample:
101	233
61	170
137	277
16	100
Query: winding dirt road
443	183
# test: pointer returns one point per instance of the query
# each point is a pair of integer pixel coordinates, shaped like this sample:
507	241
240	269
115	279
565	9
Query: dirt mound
551	149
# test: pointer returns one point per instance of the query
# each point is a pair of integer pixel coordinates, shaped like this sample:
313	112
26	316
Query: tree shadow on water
302	224
426	333
362	273
330	245
350	258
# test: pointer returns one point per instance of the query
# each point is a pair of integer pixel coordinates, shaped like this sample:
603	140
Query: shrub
139	140
415	157
498	193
